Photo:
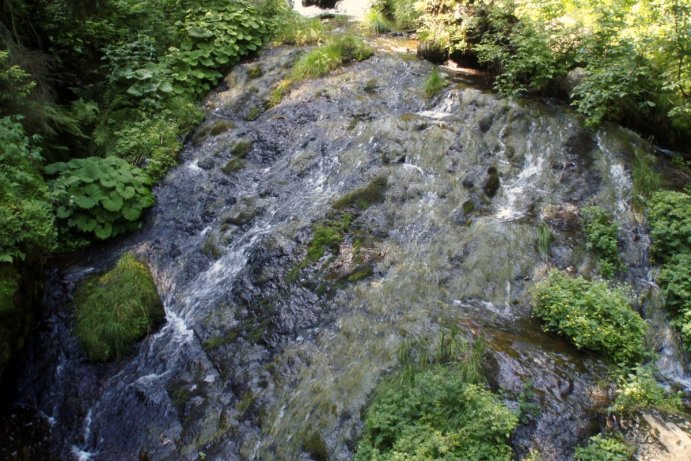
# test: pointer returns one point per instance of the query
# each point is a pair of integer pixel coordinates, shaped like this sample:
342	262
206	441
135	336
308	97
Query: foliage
295	29
669	216
675	280
521	53
604	448
601	238
436	411
9	285
434	83
636	54
116	309
105	197
27	228
401	14
638	390
592	315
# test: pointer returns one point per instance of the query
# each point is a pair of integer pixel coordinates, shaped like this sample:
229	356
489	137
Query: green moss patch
116	309
364	197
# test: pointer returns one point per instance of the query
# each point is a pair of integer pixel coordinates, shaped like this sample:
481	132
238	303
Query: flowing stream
255	363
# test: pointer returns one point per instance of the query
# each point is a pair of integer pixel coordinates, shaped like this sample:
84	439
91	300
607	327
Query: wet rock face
268	354
323	4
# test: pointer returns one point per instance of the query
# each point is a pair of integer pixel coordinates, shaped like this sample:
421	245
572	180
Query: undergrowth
437	407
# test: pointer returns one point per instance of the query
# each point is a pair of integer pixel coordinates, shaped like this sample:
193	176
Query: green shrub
434	83
675	281
434	415
638	390
603	448
669	216
592	315
116	309
105	197
27	227
601	238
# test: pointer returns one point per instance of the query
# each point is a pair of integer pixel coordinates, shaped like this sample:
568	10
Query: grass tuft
434	83
116	309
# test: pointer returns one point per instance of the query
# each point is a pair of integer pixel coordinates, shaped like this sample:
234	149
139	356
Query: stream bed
259	357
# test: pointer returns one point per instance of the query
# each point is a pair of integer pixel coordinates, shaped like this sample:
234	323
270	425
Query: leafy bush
638	390
434	83
592	315
601	237
436	415
669	216
27	226
105	197
116	309
675	280
603	448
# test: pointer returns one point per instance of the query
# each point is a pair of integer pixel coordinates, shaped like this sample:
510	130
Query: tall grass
434	83
116	309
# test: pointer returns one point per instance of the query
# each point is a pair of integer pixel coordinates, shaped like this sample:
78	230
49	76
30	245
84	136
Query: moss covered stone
364	197
116	309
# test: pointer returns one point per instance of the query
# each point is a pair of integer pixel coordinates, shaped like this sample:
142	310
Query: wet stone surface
269	355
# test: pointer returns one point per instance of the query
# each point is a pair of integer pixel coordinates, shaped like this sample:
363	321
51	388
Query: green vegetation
670	228
670	223
591	315
364	197
322	60
396	14
436	408
646	181
103	196
544	238
28	229
378	23
638	390
434	83
116	309
635	54
601	236
604	448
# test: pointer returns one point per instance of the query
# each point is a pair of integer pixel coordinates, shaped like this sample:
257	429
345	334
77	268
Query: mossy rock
492	184
116	309
254	71
211	129
241	147
233	165
364	197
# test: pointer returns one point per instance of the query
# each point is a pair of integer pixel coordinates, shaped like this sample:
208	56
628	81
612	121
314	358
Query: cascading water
254	363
